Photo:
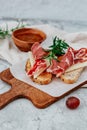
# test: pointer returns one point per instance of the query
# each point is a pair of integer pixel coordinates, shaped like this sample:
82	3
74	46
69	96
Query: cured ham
37	51
80	55
58	68
70	58
39	66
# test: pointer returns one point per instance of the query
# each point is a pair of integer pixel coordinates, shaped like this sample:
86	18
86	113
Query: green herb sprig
51	56
57	49
4	32
7	33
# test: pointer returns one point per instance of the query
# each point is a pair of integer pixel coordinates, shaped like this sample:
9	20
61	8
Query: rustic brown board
20	89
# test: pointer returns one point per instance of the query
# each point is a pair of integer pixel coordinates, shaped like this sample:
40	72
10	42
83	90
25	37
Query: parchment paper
56	87
18	59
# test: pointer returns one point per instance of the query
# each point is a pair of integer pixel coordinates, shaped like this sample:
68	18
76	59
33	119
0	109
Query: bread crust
72	76
43	78
27	66
46	77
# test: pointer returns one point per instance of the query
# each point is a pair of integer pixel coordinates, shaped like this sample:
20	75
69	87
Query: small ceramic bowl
24	38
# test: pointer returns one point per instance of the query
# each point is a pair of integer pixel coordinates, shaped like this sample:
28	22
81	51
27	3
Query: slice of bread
46	77
72	76
43	78
28	65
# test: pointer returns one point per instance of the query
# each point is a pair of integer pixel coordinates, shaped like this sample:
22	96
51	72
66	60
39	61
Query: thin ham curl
80	55
37	51
57	68
71	57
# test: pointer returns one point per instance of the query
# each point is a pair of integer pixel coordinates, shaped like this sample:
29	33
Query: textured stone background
75	10
68	15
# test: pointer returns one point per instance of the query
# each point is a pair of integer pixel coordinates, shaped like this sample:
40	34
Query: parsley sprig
7	33
57	49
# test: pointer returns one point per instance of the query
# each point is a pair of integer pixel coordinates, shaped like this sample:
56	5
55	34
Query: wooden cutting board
20	89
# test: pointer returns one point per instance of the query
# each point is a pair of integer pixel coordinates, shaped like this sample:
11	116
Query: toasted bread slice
43	78
72	76
28	65
46	77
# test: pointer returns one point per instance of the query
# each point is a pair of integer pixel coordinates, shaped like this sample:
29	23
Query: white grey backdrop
75	10
68	15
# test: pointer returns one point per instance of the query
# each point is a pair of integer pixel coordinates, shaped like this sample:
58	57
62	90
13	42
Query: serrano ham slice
37	51
70	58
58	68
39	66
80	55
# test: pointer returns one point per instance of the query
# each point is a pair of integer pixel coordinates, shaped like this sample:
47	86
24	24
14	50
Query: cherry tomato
72	102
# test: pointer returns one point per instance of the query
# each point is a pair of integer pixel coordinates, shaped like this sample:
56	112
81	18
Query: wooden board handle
8	97
20	89
6	76
14	92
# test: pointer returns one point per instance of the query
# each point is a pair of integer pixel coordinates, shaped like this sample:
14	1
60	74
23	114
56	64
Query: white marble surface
45	9
22	115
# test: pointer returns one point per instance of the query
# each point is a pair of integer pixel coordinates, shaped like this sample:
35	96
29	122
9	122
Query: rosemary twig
51	56
20	25
7	33
59	46
57	49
